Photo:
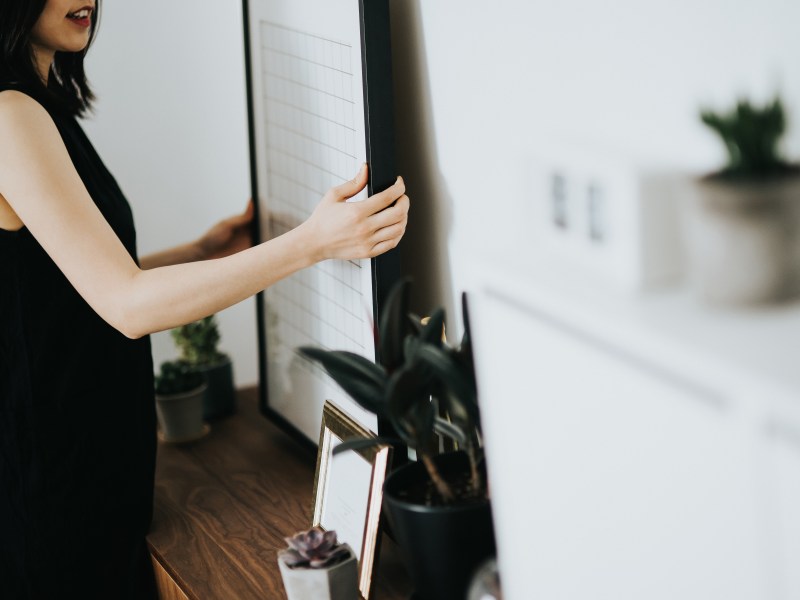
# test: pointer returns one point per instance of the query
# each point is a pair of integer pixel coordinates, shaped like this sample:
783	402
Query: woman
77	430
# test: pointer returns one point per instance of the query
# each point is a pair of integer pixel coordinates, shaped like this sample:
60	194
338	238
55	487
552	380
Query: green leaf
408	397
450	430
394	325
445	367
751	136
434	328
459	382
357	444
346	363
362	379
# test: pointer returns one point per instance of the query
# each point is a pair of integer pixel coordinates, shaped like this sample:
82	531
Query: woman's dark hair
67	88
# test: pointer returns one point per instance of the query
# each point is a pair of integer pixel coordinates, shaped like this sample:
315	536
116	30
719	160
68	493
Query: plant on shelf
745	224
176	377
314	565
422	387
197	342
179	402
314	549
426	390
751	136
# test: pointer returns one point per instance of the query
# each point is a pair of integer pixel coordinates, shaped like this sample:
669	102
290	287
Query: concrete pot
744	240
180	416
339	582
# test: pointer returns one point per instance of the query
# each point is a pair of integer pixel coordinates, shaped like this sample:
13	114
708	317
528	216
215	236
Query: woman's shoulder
14	95
20	107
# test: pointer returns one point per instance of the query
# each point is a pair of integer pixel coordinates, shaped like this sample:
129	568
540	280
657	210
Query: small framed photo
348	489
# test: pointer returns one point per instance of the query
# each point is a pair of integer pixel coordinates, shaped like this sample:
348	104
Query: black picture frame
376	57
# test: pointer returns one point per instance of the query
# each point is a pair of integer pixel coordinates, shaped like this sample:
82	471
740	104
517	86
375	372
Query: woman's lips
82	17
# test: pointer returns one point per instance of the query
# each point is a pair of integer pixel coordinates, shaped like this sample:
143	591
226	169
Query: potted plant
315	566
179	402
744	244
438	506
197	343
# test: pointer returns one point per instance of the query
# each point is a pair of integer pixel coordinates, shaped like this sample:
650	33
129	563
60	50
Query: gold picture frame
348	489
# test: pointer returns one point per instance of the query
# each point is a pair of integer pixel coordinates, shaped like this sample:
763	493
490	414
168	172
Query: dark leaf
450	430
434	328
394	325
363	380
445	367
357	444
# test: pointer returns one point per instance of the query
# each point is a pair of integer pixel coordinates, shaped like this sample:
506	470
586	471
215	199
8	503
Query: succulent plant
177	377
198	341
421	386
314	549
751	136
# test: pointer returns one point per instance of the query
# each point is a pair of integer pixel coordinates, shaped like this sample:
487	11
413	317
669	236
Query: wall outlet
596	212
609	214
559	201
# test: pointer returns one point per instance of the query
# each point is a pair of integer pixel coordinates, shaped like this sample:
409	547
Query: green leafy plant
751	136
198	341
314	549
422	386
177	377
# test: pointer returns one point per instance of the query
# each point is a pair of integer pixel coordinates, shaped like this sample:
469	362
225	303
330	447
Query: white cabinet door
612	478
783	445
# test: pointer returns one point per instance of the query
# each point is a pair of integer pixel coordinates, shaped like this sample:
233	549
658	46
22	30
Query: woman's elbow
126	321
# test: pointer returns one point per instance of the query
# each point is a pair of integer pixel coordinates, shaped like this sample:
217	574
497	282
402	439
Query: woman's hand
350	230
227	237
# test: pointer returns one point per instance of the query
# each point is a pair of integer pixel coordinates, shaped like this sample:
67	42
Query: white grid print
311	146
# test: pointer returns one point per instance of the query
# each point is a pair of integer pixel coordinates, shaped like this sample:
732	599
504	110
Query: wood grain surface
223	505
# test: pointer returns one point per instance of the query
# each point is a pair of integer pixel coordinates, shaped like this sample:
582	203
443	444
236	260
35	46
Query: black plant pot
220	397
441	545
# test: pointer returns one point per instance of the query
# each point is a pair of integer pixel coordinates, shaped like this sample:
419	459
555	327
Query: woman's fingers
389	233
390	216
359	229
384	246
381	200
348	189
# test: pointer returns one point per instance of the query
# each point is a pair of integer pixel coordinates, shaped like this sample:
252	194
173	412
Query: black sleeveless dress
77	420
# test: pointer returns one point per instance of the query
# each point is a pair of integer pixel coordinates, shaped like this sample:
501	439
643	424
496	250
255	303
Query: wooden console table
223	505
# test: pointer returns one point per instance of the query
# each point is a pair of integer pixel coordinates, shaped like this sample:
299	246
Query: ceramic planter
339	582
220	397
180	416
441	545
744	240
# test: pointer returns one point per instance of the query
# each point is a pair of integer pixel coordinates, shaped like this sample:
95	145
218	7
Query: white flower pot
744	240
339	582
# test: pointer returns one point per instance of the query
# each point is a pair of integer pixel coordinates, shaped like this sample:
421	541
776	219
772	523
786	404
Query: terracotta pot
744	240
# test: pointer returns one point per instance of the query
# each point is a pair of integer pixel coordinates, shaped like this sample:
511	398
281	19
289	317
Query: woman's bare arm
38	180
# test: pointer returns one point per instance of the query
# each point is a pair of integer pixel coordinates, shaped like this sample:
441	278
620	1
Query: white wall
482	90
480	87
171	125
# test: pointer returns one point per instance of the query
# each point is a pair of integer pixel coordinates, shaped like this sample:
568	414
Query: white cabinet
783	456
628	459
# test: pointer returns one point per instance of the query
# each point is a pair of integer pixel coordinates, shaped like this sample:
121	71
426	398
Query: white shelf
728	350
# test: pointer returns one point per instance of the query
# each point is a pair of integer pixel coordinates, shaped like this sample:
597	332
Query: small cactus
198	341
314	549
751	136
177	377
